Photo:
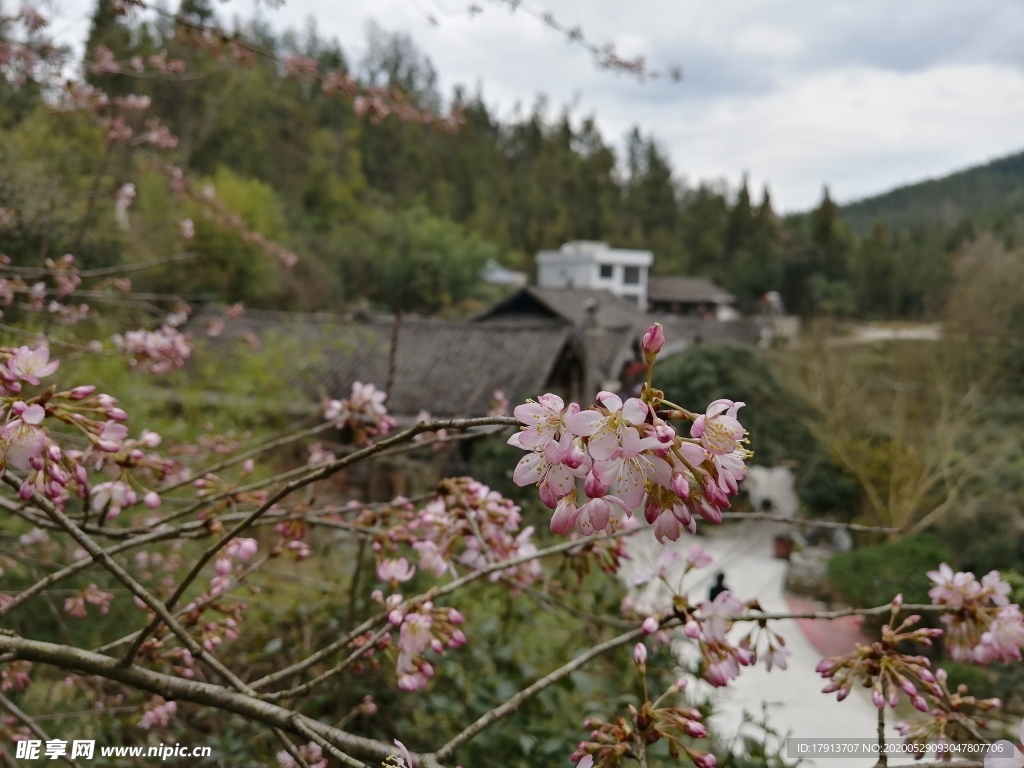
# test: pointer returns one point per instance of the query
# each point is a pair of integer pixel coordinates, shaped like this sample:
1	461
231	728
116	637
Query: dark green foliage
826	489
873	575
704	372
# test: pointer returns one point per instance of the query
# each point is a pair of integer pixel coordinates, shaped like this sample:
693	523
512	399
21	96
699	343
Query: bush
874	575
704	372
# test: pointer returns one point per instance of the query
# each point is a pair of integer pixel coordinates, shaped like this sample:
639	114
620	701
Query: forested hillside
989	194
354	192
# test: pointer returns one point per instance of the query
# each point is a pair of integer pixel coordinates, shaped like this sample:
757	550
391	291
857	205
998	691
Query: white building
593	265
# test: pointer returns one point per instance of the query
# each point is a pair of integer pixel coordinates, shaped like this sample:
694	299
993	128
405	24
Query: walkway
792	698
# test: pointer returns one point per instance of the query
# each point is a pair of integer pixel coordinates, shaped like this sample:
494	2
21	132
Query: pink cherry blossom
718	428
544	420
241	549
32	364
632	466
395	571
717	615
598	514
112	497
606	430
1006	754
698	557
21	443
158	713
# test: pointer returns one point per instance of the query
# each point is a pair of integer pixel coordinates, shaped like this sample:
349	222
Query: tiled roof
569	304
448	367
686	289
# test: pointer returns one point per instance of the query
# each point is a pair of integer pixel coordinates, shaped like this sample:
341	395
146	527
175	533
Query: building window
607	271
631	276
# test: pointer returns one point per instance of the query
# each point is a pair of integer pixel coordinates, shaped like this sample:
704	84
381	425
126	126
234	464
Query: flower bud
650	625
82	392
696	730
653	341
593	486
640	655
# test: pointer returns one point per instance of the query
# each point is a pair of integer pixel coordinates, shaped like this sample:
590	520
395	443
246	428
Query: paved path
791	698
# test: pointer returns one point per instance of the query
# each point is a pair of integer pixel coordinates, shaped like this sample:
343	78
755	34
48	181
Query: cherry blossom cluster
628	457
884	668
34	292
92	595
104	62
237	552
311	753
26	444
955	717
26	53
215	210
984	626
722	658
165	349
465	522
612	741
14	676
363	412
293	534
421	627
158	713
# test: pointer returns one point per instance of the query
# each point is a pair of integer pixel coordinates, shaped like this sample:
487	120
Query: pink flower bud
653	341
640	654
696	730
593	487
152	499
679	485
82	392
919	704
650	625
457	639
692	630
897	601
877	698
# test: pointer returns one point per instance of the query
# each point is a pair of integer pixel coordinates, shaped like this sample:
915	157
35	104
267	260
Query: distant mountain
985	192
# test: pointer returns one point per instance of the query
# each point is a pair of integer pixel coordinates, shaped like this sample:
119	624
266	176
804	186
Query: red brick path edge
829	638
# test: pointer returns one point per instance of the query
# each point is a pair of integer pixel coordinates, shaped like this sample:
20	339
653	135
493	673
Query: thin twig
31	724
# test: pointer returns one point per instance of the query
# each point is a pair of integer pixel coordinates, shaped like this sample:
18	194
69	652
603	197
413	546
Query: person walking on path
718	587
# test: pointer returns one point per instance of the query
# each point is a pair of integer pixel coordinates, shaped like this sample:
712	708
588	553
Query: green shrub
874	575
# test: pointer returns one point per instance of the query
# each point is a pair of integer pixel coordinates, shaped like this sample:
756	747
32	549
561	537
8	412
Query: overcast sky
861	95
